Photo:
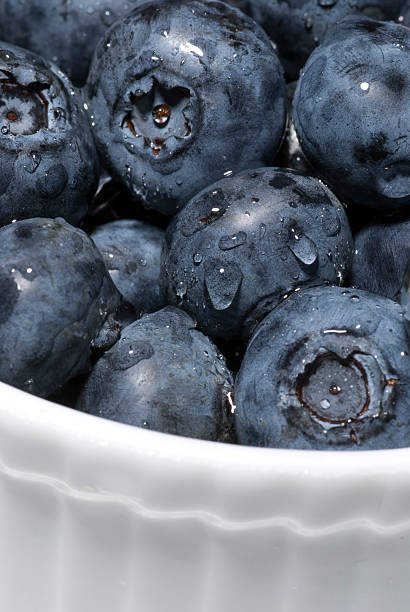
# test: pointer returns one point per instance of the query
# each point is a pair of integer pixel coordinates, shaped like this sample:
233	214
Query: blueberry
132	252
183	93
361	149
61	31
57	302
328	368
239	246
380	257
163	375
48	161
297	26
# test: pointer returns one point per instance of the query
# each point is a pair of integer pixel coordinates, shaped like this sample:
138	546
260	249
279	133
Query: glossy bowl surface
96	516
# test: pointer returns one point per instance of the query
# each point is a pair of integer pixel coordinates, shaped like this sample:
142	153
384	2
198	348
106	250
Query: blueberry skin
239	246
58	301
182	93
361	151
329	368
132	254
63	32
298	26
162	375
48	160
380	256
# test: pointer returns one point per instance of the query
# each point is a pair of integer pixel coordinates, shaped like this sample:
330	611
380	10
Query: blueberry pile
205	216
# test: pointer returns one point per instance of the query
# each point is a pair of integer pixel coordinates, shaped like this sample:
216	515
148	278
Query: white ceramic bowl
96	516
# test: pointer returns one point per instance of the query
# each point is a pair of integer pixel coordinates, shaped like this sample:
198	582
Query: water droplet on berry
222	287
231	242
161	114
326	3
305	251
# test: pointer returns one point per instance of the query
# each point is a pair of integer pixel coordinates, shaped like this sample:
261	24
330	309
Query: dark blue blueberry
183	93
239	246
58	301
132	253
298	26
328	368
163	375
64	32
48	161
380	257
352	112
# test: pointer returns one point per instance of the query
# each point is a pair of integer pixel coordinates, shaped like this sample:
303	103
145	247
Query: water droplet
161	114
326	3
197	258
262	231
330	222
355	298
325	404
305	251
334	389
293	204
181	289
5	130
255	200
308	22
31	162
222	287
231	242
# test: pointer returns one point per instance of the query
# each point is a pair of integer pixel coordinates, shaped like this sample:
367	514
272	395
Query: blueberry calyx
156	112
323	387
24	107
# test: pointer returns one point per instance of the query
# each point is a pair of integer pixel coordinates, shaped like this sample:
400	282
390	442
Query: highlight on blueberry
241	245
48	161
183	93
328	368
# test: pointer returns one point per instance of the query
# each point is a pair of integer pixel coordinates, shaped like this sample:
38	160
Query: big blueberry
298	26
58	301
163	375
183	93
240	245
65	32
352	112
132	252
328	368
48	161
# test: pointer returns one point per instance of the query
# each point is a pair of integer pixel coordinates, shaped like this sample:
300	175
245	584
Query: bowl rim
71	427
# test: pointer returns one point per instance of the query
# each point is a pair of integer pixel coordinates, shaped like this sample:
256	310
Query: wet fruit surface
328	368
182	94
342	94
240	246
163	375
48	161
